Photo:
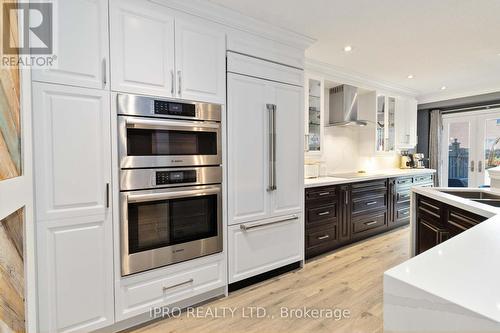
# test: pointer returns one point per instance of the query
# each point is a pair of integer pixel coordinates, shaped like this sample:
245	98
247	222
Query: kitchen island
453	286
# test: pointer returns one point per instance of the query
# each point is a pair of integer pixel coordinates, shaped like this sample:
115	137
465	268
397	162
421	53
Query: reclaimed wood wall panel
10	119
12	301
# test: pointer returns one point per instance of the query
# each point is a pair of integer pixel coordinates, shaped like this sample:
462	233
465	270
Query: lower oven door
162	227
151	143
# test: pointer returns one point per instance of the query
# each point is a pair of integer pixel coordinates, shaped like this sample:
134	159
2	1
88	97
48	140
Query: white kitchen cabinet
72	151
81	45
200	56
314	129
156	51
142	48
406	123
75	274
72	157
262	246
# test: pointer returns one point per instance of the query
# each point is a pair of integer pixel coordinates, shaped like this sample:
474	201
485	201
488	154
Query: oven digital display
174	109
175	177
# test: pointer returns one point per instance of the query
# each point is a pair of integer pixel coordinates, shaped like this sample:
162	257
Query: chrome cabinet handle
255	226
346	198
371	203
104	70
178	285
323	193
323	237
371	223
480	166
324	213
172	82
271	108
472	166
179	88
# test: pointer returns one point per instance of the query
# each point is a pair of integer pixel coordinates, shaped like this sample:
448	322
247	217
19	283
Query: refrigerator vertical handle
271	109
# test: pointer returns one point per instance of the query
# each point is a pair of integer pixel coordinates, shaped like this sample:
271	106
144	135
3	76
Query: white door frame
477	133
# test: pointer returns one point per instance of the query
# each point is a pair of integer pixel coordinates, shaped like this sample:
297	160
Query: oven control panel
174	109
175	177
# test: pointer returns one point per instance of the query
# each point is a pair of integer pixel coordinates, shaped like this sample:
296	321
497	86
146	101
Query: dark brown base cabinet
438	222
343	214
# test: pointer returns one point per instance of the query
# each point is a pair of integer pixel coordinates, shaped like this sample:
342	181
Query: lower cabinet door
75	274
429	235
258	247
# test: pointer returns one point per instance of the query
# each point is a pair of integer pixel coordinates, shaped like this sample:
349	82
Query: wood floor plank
350	278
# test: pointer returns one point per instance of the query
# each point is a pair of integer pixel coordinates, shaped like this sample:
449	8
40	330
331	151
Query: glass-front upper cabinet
386	129
314	115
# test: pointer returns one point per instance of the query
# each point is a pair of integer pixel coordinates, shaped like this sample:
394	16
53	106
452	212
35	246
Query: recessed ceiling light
410	76
348	48
443	88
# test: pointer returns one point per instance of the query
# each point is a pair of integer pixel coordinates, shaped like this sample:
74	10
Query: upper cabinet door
200	55
72	151
289	181
248	142
142	48
81	42
406	123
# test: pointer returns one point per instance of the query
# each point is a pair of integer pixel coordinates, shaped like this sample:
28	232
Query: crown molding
231	18
459	93
343	75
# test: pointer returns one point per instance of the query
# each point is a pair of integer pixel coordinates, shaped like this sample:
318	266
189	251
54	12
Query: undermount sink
473	195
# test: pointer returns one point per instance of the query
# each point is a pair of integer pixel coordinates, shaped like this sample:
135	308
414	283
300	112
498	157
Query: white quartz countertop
464	270
344	178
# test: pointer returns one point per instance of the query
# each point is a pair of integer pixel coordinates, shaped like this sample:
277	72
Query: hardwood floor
348	279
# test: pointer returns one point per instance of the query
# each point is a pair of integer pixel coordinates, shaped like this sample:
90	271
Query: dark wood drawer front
404	182
403	196
430	209
320	237
322	193
403	213
422	179
463	220
369	204
359	190
322	214
369	223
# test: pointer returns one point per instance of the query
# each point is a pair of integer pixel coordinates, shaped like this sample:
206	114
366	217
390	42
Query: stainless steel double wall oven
170	157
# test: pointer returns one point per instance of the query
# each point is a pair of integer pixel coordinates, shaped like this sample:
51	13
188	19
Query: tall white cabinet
265	168
156	51
73	207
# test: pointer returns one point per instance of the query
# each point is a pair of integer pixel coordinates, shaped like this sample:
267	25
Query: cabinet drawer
369	223
258	247
463	220
321	193
403	213
321	236
422	179
404	182
321	214
367	188
430	209
368	204
403	196
167	286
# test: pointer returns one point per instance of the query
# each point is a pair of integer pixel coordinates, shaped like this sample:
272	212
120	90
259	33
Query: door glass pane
391	114
458	154
146	142
491	147
314	115
157	224
380	123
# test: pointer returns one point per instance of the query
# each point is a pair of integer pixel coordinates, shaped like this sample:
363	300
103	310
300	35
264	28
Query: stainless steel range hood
344	107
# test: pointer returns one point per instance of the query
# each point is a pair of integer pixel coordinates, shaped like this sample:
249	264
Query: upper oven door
165	226
153	143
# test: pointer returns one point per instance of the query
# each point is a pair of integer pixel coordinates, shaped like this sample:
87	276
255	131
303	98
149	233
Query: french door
471	145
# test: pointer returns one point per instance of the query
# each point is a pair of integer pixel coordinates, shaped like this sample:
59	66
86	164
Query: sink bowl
473	195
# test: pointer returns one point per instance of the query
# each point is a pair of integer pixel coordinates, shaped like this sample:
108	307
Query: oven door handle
138	123
131	198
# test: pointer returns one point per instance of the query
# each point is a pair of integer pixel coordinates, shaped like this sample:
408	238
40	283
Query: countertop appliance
343	109
405	161
156	132
169	215
418	161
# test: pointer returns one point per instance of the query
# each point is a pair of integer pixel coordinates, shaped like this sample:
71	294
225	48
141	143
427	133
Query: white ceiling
452	43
